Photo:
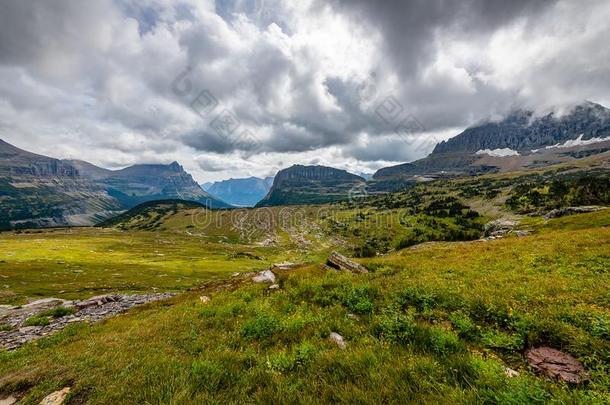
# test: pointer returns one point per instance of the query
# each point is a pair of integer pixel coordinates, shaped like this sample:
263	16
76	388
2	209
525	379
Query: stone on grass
274	287
56	398
8	401
204	299
340	262
338	339
510	373
557	365
266	276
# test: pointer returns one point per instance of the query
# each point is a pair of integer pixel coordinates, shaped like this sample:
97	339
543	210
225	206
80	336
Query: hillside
311	185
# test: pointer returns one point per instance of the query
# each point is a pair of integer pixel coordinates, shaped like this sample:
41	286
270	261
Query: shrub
436	340
58	312
395	326
465	326
360	300
37	321
260	327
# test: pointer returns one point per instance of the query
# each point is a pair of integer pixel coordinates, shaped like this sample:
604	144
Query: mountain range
240	192
40	191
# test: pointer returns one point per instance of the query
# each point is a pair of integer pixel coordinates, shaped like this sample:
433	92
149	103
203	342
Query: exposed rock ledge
91	310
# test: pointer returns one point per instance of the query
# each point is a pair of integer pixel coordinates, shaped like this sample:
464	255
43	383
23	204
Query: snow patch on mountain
498	152
575	142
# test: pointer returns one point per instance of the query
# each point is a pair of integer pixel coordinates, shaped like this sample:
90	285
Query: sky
239	88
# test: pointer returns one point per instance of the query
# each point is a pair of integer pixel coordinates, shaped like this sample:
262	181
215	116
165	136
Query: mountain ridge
41	191
301	184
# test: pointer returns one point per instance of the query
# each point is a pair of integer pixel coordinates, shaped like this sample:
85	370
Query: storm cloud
247	87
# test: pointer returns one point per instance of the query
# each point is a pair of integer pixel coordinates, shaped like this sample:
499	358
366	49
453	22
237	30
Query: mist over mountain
522	131
520	140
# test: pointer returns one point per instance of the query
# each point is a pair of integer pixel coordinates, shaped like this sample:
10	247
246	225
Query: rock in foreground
556	364
340	262
266	276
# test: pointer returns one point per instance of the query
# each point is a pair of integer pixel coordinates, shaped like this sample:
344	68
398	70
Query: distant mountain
140	183
523	132
39	191
520	141
311	185
241	192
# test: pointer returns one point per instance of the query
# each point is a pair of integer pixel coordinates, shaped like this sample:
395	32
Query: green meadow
438	322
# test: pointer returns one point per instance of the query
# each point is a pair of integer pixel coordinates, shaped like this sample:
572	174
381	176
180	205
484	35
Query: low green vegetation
437	323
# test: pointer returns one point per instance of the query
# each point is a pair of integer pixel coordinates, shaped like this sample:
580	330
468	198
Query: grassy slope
437	323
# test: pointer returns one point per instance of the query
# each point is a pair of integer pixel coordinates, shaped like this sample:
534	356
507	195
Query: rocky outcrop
91	310
557	365
562	212
340	262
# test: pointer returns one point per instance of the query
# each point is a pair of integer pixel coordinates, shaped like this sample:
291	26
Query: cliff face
17	162
310	185
521	131
322	174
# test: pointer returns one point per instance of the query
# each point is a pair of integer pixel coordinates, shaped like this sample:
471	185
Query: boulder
56	398
557	365
338	339
499	227
340	262
266	276
98	301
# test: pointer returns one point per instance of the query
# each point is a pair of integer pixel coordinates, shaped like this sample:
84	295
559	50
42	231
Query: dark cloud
350	83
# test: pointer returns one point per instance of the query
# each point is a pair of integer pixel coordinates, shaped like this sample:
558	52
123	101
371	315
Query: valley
448	308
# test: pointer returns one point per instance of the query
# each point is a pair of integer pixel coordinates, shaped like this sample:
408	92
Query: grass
79	263
435	323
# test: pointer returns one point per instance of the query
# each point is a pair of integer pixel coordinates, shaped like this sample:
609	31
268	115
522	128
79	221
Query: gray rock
92	310
340	262
561	212
266	276
338	339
